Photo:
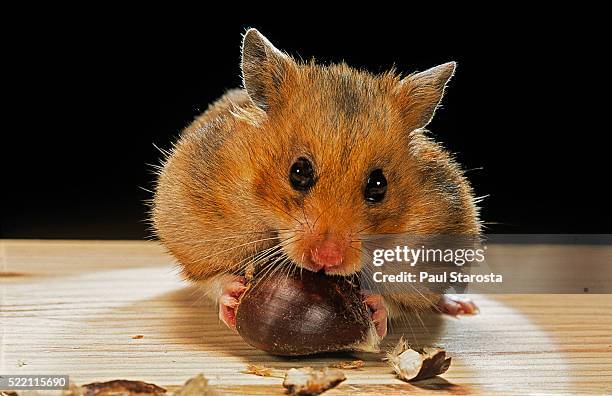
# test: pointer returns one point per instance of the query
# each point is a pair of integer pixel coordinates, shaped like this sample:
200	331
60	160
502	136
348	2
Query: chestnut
304	313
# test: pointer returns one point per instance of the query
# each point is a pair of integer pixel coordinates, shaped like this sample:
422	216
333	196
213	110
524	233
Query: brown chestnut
305	313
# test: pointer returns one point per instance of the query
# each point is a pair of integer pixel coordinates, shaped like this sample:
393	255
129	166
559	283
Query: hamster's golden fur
223	195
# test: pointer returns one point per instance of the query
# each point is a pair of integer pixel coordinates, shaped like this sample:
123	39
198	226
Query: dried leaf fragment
348	365
196	386
413	364
122	387
137	337
264	371
307	381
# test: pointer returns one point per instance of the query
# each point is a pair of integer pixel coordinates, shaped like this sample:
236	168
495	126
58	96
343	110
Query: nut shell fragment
417	364
308	381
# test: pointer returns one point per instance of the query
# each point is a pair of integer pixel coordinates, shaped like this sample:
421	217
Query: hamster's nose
326	254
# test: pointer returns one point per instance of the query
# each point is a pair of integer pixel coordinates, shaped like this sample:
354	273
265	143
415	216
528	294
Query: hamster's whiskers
264	255
235	236
237	247
282	210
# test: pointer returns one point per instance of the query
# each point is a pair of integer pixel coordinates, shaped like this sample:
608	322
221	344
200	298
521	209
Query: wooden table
79	308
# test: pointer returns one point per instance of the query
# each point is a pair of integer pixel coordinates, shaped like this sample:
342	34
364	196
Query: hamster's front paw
231	292
379	313
453	305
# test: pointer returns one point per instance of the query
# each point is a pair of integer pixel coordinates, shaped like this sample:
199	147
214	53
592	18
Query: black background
90	95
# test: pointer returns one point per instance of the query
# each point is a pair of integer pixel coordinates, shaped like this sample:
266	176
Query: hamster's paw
454	306
379	313
231	292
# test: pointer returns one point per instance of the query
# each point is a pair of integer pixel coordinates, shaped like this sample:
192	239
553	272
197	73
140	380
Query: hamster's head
340	154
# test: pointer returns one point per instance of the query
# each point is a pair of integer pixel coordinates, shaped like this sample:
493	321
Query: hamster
301	164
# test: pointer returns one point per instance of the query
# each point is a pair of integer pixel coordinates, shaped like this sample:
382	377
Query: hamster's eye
301	174
376	187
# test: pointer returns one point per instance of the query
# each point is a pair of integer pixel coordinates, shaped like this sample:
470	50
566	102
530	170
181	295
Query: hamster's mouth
317	251
340	269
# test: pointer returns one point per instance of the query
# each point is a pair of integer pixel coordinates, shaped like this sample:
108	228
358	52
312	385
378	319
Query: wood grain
76	308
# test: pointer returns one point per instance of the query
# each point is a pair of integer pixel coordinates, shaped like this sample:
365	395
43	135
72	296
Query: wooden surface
75	308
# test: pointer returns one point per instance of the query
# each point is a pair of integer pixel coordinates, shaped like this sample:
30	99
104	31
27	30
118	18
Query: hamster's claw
229	301
454	306
379	313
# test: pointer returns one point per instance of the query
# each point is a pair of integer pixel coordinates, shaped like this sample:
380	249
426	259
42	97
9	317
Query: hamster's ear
422	93
264	68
